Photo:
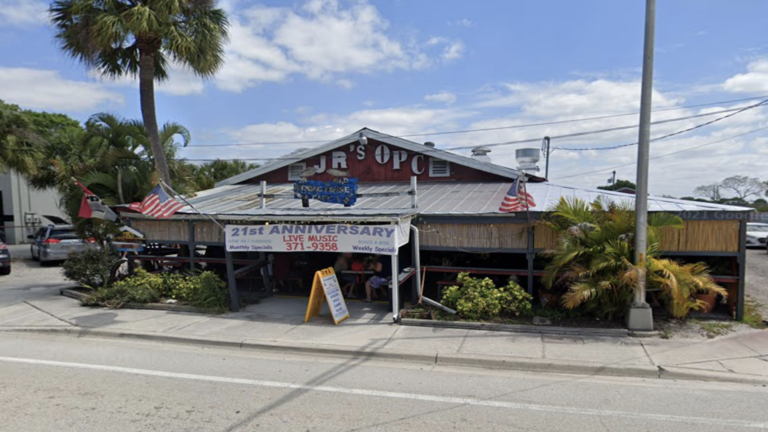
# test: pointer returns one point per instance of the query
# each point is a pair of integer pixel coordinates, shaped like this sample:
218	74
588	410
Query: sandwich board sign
325	285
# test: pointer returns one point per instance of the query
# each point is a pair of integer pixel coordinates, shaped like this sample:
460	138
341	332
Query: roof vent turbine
527	158
481	154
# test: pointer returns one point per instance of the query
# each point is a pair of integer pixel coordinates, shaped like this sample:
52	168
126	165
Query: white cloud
345	83
181	82
444	97
452	49
48	90
755	80
540	102
464	22
574	98
321	40
23	12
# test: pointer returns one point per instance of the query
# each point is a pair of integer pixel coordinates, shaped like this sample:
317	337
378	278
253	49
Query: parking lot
757	278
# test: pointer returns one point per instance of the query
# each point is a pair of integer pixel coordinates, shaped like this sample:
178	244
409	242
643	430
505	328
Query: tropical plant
594	254
90	268
19	145
479	299
208	174
141	38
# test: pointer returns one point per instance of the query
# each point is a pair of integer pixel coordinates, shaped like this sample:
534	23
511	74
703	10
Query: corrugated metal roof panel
438	198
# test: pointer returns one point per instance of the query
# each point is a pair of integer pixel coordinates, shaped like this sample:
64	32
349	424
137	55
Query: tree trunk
148	114
120	186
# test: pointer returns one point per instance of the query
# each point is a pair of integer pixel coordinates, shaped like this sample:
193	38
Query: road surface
68	384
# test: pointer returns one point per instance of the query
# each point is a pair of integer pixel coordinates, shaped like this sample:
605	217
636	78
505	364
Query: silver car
56	242
756	234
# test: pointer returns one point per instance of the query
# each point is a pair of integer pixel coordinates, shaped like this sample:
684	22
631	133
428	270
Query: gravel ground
26	271
757	278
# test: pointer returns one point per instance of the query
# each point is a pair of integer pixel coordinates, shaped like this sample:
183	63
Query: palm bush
593	260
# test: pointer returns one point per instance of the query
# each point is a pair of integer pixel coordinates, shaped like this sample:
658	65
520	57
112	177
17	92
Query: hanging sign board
374	239
325	285
337	191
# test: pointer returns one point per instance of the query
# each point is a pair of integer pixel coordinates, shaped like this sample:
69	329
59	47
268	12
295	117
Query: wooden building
451	201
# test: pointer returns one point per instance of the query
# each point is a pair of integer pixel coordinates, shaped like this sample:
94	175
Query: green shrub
205	291
90	268
479	299
210	294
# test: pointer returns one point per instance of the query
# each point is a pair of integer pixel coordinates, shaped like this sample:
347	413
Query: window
439	168
295	170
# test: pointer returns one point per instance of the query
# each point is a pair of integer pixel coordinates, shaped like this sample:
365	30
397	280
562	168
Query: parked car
5	259
756	234
56	242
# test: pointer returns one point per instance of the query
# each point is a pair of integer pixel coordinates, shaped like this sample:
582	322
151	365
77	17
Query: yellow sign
325	281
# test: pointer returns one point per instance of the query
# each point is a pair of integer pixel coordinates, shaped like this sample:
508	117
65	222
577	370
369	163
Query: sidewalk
277	324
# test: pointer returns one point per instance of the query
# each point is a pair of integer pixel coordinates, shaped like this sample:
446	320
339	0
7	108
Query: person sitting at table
346	281
378	281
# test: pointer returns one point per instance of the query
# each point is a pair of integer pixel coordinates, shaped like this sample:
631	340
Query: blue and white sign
337	191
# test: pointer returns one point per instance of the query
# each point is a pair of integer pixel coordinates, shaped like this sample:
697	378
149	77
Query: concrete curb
571	367
77	295
516	328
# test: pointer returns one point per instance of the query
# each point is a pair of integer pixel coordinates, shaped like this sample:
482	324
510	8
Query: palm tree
138	38
593	260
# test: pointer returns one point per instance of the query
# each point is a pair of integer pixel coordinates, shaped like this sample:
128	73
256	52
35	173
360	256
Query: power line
732	112
495	128
667	154
592	132
668	135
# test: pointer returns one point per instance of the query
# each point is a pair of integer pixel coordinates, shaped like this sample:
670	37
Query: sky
299	73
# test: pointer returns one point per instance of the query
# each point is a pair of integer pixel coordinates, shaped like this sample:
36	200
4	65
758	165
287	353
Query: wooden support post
530	255
742	270
192	246
234	300
265	273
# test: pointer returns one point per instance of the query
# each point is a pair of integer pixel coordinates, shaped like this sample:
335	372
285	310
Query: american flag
517	199
157	204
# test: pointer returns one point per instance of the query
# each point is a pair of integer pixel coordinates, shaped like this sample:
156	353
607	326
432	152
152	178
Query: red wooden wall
369	169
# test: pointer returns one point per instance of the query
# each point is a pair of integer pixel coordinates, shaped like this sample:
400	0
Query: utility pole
613	178
640	317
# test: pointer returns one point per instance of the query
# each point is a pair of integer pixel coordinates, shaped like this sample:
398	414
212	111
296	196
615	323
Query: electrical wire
665	155
668	135
732	112
495	128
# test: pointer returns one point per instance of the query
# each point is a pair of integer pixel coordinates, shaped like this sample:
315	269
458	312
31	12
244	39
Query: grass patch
715	329
752	316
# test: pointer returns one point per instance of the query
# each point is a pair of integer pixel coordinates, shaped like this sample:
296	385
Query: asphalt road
757	278
67	384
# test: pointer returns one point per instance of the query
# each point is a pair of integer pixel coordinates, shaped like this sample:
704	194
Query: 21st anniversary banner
376	239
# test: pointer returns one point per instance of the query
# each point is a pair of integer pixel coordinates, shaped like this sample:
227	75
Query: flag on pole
517	199
91	206
157	204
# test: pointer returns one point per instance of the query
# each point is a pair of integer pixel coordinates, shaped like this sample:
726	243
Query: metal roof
378	136
434	199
